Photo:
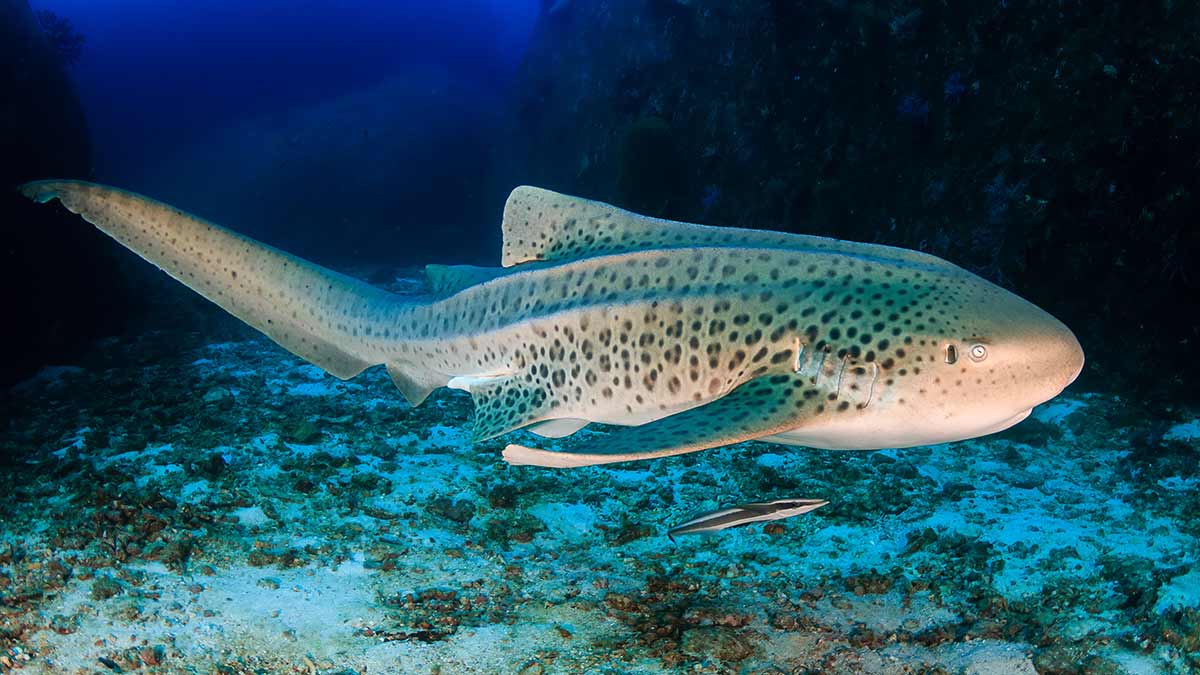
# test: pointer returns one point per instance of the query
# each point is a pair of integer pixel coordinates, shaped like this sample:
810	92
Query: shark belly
886	427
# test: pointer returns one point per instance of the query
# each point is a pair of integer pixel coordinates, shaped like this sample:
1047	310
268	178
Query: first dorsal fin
542	225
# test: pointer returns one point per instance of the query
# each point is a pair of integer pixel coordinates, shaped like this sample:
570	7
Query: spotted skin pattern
601	338
693	336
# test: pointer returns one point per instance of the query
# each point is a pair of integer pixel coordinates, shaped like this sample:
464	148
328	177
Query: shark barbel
687	336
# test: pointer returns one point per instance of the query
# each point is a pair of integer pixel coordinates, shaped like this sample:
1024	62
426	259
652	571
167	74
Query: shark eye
978	352
951	354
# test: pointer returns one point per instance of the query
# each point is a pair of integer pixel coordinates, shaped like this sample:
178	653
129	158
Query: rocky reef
59	290
1051	147
184	506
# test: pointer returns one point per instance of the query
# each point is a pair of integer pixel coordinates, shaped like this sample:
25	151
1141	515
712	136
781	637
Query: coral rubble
226	508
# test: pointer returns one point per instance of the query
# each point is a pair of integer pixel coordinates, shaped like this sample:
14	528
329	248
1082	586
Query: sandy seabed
227	509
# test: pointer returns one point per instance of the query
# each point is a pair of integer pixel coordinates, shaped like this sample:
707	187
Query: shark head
985	370
932	354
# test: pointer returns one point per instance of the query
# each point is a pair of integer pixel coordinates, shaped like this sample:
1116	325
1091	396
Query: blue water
287	119
156	73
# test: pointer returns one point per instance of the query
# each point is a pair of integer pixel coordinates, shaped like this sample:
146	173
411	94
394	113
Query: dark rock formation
58	290
1052	148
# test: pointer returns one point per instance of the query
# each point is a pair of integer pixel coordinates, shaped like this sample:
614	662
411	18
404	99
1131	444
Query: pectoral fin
761	407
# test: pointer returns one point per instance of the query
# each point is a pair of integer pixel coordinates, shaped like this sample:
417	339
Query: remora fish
744	514
689	336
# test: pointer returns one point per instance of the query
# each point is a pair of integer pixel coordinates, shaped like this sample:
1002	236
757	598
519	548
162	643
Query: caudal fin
329	319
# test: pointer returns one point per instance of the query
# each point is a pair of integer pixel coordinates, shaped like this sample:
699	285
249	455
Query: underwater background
184	496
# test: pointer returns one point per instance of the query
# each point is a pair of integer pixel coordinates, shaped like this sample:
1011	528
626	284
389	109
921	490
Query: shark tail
336	322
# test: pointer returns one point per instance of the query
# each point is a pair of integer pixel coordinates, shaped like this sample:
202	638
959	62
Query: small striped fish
744	514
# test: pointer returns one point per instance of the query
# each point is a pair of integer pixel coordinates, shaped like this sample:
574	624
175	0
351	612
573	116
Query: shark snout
1068	362
1057	358
1036	356
1074	359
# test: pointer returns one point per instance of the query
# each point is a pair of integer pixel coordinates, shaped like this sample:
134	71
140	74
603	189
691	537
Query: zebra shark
684	336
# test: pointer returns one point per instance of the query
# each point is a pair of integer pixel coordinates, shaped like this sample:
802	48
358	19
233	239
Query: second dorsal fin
450	279
542	225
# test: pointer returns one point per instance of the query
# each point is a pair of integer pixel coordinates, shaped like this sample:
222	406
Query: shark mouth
1001	426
